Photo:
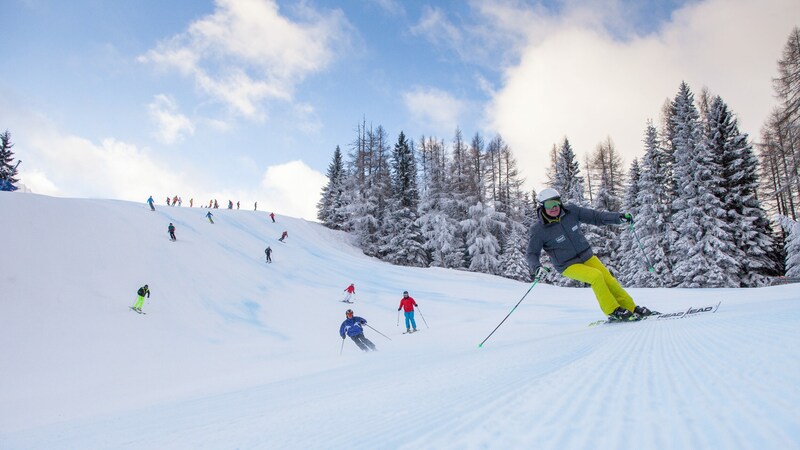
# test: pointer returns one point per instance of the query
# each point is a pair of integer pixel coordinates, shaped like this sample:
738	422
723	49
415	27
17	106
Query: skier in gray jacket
558	232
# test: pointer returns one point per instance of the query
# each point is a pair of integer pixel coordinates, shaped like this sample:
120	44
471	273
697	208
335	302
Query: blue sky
247	99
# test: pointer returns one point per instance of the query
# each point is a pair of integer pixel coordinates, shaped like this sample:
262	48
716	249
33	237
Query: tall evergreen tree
703	243
653	216
330	209
747	220
8	170
404	242
443	240
567	179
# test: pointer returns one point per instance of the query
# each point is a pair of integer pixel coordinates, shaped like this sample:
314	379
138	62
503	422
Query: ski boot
621	315
643	311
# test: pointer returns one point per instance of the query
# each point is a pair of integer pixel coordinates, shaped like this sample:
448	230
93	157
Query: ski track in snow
544	380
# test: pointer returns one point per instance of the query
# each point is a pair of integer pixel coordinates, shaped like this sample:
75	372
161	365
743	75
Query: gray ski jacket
563	239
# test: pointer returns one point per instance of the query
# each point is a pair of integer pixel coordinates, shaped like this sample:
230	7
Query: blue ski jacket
352	326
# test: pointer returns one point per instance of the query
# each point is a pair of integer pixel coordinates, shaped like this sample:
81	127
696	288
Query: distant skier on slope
272	216
284	236
150	202
558	233
144	290
407	304
352	327
268	252
349	292
171	231
210	219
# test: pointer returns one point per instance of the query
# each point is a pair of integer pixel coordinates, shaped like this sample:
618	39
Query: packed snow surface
237	353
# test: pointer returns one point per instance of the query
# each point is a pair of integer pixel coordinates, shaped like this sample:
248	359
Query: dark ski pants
172	236
363	343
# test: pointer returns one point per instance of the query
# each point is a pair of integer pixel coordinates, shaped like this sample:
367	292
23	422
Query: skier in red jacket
350	291
407	304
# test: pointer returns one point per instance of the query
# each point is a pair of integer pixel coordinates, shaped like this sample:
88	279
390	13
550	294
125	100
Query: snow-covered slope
237	353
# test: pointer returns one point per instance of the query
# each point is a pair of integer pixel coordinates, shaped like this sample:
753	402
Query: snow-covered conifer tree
8	170
792	246
652	217
703	244
404	242
330	209
481	229
747	220
567	179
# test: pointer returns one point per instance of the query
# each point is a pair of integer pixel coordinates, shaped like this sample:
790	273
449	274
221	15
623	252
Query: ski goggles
552	203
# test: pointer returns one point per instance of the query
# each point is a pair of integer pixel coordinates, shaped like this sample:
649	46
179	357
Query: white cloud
246	52
172	126
434	109
292	189
574	79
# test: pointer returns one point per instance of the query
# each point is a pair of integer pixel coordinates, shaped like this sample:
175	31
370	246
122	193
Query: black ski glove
626	218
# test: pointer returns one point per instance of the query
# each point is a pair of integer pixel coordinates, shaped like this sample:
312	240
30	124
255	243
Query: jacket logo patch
561	238
575	228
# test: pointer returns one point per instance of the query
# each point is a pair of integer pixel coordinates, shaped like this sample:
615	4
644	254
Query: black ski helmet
348	312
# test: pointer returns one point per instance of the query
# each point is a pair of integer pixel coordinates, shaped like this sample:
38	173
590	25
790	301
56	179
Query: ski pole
387	337
340	350
650	267
513	309
423	317
398	317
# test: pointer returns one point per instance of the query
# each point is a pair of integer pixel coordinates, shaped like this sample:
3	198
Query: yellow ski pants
606	288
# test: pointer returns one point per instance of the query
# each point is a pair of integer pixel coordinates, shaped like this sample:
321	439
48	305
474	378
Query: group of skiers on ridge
556	231
212	204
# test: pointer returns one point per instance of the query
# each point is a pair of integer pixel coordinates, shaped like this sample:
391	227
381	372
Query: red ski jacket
351	289
408	304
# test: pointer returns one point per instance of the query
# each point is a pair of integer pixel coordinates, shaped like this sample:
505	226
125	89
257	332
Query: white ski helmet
547	194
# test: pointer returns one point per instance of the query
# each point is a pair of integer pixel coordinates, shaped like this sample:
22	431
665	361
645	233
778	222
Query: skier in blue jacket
352	327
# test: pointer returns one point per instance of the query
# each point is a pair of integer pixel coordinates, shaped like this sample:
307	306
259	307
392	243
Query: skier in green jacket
144	290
